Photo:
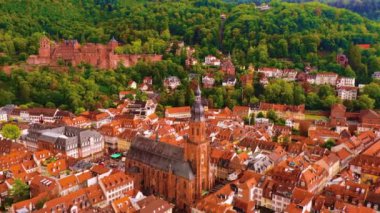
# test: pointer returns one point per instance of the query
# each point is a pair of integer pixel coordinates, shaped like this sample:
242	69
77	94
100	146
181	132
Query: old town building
116	185
326	78
347	93
181	174
72	141
227	67
177	112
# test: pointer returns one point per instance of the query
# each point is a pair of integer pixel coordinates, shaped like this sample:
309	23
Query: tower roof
198	91
197	110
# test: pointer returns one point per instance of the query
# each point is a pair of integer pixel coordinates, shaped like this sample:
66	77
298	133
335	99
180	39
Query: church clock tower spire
197	123
198	147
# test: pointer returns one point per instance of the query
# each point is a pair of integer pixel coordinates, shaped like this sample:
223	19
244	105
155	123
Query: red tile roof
68	182
364	46
115	180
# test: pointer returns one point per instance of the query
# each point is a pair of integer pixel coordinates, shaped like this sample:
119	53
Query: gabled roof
99	169
115	180
43	154
175	110
68	182
160	155
154	204
43	183
343	154
95	194
369	114
84	176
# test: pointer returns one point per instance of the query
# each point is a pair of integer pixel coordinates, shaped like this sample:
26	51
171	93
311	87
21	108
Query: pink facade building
98	55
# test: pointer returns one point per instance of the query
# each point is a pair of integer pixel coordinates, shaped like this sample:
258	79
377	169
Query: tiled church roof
160	155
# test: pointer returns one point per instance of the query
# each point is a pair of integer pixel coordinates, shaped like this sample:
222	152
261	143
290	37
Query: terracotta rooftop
99	169
95	194
43	154
115	180
68	182
84	176
57	167
343	154
123	205
154	204
43	183
27	203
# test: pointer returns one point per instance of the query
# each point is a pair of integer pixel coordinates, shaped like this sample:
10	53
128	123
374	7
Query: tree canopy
286	36
19	190
10	131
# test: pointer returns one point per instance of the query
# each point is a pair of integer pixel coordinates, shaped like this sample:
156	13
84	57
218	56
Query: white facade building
347	93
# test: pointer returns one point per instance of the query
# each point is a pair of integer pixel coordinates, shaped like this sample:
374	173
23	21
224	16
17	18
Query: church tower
198	147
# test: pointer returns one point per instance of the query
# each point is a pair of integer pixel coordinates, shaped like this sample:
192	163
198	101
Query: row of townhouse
97	187
71	141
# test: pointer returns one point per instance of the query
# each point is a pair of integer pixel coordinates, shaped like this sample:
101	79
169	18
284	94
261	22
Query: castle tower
112	44
198	148
44	50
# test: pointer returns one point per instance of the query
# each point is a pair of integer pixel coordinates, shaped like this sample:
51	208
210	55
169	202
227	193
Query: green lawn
315	117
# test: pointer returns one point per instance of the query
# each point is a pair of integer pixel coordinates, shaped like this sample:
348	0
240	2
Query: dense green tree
286	36
313	101
6	97
355	59
298	94
260	115
364	102
282	48
10	131
272	115
329	100
261	54
280	91
330	143
325	91
19	190
373	64
373	92
348	72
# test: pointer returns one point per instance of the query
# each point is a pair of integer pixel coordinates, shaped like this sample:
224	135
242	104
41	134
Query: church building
180	174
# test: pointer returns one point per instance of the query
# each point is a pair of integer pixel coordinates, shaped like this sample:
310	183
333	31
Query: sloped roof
161	156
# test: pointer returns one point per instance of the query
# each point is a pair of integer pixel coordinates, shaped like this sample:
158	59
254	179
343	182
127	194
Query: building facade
70	52
180	174
71	141
347	93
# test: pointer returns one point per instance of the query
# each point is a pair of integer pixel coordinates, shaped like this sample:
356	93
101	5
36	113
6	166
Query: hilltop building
70	52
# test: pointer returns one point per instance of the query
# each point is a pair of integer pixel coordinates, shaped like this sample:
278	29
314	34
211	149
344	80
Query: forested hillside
367	8
286	36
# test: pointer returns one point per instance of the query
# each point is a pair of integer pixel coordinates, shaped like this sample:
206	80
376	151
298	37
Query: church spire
197	148
197	110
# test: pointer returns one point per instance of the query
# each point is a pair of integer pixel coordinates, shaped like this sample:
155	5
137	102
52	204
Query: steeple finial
198	91
197	110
